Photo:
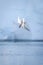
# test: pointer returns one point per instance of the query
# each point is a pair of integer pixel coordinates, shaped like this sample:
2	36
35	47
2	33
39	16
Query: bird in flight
22	23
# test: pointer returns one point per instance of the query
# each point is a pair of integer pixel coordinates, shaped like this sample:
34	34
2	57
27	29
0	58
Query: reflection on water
12	53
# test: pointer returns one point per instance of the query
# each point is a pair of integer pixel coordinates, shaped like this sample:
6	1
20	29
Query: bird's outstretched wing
26	28
19	21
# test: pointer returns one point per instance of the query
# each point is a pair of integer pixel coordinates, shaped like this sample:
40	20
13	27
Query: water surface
21	53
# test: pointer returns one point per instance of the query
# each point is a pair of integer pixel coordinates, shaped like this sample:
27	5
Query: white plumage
22	23
19	21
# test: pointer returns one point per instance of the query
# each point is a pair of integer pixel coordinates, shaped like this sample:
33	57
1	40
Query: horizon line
22	40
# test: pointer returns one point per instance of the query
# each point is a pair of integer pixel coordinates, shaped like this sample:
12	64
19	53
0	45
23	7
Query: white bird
22	23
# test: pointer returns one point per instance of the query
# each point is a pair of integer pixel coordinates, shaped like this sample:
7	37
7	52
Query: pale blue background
31	10
21	53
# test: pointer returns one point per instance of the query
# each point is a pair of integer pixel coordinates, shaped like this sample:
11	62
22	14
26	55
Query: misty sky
31	10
